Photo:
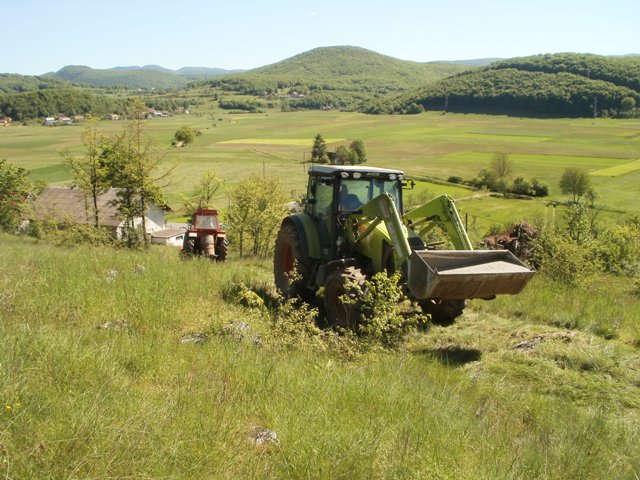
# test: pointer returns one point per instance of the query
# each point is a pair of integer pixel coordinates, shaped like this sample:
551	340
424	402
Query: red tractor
206	237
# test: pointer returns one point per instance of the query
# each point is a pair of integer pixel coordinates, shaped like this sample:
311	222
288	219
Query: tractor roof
337	169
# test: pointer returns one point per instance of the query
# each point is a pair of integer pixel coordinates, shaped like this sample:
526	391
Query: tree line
50	102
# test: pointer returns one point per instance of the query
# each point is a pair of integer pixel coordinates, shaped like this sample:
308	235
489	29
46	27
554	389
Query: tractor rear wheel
443	312
340	314
222	248
188	245
290	266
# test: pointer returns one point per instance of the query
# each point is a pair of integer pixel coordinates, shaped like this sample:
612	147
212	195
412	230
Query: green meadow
428	145
127	364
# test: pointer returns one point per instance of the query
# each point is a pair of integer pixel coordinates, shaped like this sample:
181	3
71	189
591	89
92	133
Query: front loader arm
381	209
422	220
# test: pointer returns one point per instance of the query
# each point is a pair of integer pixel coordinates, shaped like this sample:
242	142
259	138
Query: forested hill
12	83
341	72
559	84
623	71
130	78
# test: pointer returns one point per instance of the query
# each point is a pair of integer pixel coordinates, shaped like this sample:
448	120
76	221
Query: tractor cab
335	191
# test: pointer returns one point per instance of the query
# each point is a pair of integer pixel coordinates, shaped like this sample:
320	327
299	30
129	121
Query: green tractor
354	226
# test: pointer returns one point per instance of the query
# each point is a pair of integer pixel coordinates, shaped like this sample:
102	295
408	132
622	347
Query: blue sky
43	36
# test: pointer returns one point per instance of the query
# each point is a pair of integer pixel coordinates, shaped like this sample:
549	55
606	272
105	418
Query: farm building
169	236
64	204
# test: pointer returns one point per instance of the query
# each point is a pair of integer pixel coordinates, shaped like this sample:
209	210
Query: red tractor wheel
290	267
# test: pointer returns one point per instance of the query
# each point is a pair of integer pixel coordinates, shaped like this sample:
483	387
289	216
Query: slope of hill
110	370
561	84
338	72
623	71
121	77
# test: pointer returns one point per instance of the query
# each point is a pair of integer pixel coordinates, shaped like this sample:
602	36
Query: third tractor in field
205	236
354	226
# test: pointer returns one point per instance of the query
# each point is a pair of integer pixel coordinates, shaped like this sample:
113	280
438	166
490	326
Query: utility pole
595	107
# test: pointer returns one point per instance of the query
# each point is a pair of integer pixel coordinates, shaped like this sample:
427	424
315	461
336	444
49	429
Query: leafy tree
627	104
185	134
257	207
502	167
414	108
89	171
357	148
319	150
202	197
15	189
591	196
578	224
576	182
343	156
132	164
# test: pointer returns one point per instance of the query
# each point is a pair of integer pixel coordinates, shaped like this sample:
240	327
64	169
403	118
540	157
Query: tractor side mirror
408	184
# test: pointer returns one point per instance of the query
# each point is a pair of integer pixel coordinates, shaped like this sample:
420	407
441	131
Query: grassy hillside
122	364
338	76
558	85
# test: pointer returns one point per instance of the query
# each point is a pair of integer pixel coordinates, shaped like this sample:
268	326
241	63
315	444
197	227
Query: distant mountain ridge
147	77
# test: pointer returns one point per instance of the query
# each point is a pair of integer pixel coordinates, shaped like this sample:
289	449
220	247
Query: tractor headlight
344	174
392	176
357	174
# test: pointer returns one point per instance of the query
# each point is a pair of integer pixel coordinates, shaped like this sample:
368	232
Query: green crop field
432	145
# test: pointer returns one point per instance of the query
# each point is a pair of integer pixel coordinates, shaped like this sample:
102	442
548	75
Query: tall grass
96	382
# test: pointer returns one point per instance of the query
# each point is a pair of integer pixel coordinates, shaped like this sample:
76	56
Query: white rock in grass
112	274
260	436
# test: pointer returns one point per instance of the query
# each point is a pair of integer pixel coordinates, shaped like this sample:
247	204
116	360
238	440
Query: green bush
562	258
385	319
618	249
185	134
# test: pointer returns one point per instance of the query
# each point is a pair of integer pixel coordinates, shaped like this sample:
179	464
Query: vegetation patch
618	170
277	141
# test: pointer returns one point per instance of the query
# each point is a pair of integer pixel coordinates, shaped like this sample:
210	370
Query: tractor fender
307	233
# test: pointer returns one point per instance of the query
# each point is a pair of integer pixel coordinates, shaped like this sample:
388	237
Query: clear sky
46	35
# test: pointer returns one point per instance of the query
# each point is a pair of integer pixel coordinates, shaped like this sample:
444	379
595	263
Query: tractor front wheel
341	300
290	267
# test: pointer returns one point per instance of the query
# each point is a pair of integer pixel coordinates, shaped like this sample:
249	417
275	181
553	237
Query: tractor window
323	197
206	221
355	193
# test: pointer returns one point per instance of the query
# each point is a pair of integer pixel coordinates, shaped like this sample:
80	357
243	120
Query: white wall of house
175	241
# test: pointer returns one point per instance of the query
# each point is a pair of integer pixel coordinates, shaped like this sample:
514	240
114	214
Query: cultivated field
431	144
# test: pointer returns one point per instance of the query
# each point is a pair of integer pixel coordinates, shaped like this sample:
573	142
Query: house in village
64	204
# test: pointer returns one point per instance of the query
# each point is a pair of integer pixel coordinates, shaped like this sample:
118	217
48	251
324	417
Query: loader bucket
462	274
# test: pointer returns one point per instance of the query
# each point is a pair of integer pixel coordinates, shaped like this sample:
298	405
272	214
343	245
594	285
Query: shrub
562	258
385	319
618	249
